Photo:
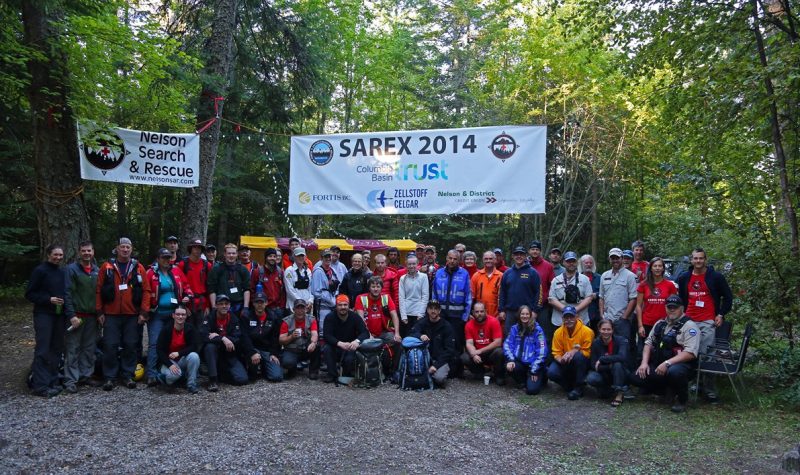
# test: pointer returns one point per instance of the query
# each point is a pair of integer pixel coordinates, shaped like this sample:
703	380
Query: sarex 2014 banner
139	157
483	170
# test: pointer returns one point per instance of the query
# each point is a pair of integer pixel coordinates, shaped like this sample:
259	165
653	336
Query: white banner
483	170
138	157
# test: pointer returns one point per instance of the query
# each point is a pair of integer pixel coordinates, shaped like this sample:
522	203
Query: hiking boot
328	378
678	407
313	374
192	389
130	384
71	388
501	381
213	387
108	385
712	397
575	394
628	394
47	393
151	382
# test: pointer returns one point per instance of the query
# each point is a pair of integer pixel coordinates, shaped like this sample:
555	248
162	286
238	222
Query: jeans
522	372
290	358
494	359
222	362
270	370
189	365
441	375
571	375
154	327
609	377
676	379
49	336
119	330
79	357
334	355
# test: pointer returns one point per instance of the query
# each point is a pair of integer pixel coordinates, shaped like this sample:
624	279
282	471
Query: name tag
699	303
234	290
173	301
253	323
123	286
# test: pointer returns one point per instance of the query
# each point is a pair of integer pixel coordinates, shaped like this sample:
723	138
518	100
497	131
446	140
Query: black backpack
369	370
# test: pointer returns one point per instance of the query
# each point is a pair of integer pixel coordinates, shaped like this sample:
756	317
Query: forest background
676	122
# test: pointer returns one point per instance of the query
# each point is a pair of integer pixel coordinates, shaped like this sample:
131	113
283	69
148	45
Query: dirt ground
307	426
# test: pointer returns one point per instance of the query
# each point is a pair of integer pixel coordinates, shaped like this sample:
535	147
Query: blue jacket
520	286
453	291
717	285
534	347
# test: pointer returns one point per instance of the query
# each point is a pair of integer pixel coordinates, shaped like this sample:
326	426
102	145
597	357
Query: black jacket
261	336
348	330
165	339
599	350
47	280
717	285
354	284
233	331
443	343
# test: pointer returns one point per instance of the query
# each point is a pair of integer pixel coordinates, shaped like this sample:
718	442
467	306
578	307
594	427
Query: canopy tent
313	247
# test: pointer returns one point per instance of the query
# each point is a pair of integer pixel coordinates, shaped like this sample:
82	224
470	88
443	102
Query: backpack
414	364
369	370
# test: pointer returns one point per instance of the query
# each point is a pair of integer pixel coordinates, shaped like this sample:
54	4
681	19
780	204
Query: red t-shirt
653	308
639	269
482	334
701	304
376	321
178	341
301	324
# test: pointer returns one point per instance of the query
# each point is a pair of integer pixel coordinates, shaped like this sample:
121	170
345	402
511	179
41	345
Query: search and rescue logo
503	146
103	148
321	152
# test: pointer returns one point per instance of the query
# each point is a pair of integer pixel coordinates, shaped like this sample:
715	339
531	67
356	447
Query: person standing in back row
47	289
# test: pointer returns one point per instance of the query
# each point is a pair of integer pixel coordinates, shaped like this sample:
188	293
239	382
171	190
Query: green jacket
81	290
223	278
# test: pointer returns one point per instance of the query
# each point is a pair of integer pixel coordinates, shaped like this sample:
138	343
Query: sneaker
313	375
213	387
108	385
151	382
712	397
628	394
71	388
575	394
678	408
130	384
193	389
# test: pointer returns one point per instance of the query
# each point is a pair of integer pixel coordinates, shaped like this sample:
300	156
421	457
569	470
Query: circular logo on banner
304	198
503	146
377	199
103	148
321	152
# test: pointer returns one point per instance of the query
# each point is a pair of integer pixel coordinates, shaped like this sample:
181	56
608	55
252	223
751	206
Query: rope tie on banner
208	123
48	197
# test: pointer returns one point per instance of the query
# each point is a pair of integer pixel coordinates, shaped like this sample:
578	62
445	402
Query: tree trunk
122	222
197	201
60	209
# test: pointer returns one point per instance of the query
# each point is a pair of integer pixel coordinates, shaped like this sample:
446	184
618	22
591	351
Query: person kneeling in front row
525	350
438	333
344	332
221	333
300	340
669	354
177	351
572	343
608	363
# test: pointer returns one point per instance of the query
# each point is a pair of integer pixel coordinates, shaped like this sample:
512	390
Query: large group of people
530	322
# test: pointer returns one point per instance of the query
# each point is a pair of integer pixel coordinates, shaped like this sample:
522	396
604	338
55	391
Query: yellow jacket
582	336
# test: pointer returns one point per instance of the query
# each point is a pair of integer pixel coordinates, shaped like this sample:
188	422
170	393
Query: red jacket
273	287
182	288
546	275
123	298
391	284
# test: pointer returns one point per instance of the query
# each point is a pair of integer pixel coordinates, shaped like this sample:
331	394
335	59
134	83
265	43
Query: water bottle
259	288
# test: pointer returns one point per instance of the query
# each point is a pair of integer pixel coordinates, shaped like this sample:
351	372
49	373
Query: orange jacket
123	298
486	289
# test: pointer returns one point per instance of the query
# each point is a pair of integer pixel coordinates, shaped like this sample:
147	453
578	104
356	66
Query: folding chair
723	361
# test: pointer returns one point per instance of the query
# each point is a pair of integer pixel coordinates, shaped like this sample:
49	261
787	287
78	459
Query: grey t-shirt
617	290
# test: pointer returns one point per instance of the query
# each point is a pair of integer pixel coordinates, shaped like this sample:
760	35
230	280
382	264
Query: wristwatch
668	363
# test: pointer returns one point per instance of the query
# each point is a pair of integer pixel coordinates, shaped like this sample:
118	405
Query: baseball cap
326	253
497	250
299	251
555	249
434	304
570	256
535	245
210	247
519	250
673	301
569	310
260	297
164	252
300	303
615	251
223	297
171	239
430	248
627	253
194	243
